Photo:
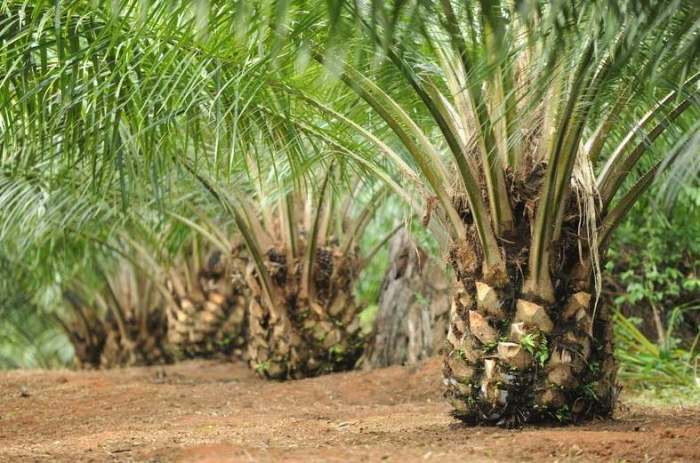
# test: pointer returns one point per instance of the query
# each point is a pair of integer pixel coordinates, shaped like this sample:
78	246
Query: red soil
208	412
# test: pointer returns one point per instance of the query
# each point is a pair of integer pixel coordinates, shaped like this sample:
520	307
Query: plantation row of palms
282	300
522	131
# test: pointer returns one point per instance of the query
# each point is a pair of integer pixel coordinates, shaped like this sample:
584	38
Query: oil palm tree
531	128
116	317
303	260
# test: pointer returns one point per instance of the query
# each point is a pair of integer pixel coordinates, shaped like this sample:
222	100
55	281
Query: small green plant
528	342
594	367
337	350
536	345
262	367
563	414
589	390
490	346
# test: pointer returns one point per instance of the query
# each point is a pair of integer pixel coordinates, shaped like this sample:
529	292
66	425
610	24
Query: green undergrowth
663	396
653	374
653	282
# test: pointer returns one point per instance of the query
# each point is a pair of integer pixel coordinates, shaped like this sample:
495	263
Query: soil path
209	412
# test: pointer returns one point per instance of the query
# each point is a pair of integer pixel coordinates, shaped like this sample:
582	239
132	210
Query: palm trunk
208	315
142	345
296	337
414	306
98	342
514	358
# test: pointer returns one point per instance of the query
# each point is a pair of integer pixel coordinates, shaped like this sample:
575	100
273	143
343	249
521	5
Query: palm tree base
208	315
209	327
105	346
510	361
301	341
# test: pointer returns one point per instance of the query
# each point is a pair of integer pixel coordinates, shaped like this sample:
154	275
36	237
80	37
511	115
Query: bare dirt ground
209	412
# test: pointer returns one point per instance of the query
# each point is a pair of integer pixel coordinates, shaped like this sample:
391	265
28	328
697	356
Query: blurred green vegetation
30	337
654	283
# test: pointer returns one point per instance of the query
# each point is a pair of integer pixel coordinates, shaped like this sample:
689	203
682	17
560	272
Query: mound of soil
209	412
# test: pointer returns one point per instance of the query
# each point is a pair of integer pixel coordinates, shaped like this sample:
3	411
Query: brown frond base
87	345
208	328
143	345
511	364
302	342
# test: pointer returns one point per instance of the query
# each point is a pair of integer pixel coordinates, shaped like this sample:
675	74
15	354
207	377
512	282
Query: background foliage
654	282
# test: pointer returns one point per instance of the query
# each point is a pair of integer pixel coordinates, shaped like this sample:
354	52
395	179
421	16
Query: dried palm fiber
209	296
414	304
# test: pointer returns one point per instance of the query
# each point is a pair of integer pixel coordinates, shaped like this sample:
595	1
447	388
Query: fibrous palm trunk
298	336
100	342
144	344
512	357
414	307
86	333
208	315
